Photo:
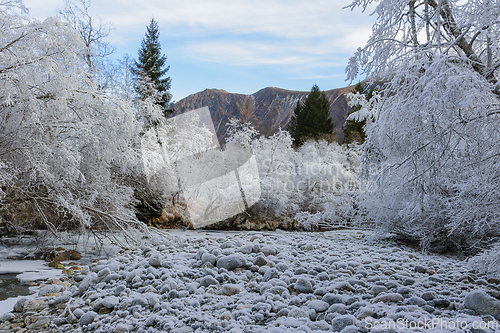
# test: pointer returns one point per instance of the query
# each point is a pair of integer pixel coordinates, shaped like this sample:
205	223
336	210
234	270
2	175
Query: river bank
264	281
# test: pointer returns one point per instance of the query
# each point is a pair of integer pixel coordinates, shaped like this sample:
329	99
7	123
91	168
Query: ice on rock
155	260
246	249
87	318
344	286
87	281
35	305
268	251
482	303
389	298
208	281
231	262
350	329
296	312
231	289
341	322
429	295
415	300
270	274
303	285
110	302
50	289
139	300
208	257
337	308
318	306
333	299
377	289
103	273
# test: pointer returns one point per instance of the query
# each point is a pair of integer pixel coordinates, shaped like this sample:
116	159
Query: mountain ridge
268	109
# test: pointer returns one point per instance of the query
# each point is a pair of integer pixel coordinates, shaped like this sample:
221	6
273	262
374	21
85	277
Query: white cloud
292	19
300	37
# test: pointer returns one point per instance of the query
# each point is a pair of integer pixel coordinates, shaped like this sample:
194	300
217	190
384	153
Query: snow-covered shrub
276	160
487	262
432	154
314	185
327	177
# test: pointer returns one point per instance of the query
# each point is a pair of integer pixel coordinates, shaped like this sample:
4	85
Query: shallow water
10	286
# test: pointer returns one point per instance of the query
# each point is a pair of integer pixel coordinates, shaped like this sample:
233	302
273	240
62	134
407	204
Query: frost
432	151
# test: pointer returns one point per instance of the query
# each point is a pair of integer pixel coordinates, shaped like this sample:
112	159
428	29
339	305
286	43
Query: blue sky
239	46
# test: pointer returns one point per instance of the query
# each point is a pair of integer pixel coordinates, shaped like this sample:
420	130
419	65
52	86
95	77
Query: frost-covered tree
93	33
353	129
65	146
433	151
119	80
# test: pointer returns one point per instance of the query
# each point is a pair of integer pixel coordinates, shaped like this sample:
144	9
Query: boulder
482	303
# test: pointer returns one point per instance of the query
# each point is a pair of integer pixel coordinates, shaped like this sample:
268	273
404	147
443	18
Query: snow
29	270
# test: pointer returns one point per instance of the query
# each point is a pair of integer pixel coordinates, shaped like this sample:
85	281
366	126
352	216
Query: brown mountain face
268	109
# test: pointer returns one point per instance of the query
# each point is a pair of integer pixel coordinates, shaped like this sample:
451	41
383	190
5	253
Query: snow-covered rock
482	303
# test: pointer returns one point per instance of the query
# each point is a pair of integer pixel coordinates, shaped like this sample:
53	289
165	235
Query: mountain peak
268	109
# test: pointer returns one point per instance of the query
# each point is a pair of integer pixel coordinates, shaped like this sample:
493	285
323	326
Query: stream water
10	286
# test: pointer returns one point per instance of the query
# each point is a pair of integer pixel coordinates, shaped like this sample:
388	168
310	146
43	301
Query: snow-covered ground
266	282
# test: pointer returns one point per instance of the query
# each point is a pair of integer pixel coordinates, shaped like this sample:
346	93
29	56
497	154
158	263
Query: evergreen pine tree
150	70
311	118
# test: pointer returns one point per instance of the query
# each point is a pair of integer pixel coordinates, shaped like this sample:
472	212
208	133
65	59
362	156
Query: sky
240	46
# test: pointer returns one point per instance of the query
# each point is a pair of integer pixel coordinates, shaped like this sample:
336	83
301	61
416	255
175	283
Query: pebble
415	300
318	306
333	299
441	303
110	302
39	323
341	322
270	274
231	289
408	282
35	305
208	257
50	289
208	281
268	251
377	289
389	298
231	262
429	295
303	285
260	261
87	318
337	308
404	290
296	312
420	269
87	281
344	286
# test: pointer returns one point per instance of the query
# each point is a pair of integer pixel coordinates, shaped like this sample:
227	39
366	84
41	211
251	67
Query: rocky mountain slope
268	109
